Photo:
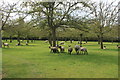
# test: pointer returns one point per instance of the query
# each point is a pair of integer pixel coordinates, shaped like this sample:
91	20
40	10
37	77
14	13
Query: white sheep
5	44
26	43
104	47
118	46
54	49
70	49
77	48
83	50
62	49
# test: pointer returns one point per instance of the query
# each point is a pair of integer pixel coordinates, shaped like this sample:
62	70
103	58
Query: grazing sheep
61	43
77	48
83	50
62	49
46	41
70	49
27	43
54	49
104	47
5	44
118	46
18	44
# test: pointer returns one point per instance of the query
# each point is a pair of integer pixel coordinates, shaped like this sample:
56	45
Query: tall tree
104	15
5	12
55	14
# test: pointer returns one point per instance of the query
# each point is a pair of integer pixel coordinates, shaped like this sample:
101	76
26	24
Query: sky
13	1
97	1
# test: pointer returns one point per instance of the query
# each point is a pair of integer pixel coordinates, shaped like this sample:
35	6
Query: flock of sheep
18	44
77	48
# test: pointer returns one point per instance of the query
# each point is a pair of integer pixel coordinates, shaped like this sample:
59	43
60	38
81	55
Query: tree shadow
96	58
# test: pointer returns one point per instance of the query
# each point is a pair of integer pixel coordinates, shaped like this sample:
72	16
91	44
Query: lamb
83	50
62	49
54	49
77	48
70	49
61	43
5	44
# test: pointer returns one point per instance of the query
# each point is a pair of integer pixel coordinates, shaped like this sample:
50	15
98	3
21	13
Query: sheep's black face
59	46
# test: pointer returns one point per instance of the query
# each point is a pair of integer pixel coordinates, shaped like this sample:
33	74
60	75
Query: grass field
36	61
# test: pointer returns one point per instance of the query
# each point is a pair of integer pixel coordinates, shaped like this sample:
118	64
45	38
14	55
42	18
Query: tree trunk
54	37
80	39
50	42
70	40
57	41
10	39
27	39
112	41
86	39
98	39
65	39
49	39
18	39
80	42
101	41
0	39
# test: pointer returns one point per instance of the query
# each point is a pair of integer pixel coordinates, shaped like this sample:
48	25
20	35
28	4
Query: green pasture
36	61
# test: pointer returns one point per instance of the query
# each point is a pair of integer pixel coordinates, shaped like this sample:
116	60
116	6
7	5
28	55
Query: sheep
83	50
27	43
54	49
18	44
5	44
77	48
70	49
46	41
62	49
104	47
61	43
118	46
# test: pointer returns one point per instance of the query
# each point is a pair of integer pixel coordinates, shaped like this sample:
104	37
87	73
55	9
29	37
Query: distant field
36	61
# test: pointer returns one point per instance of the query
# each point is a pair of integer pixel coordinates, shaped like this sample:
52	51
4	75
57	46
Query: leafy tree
54	14
5	11
104	16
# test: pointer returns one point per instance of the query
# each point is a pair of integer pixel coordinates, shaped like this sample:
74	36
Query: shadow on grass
96	58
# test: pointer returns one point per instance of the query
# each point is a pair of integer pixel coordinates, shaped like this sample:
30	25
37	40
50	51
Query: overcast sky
13	1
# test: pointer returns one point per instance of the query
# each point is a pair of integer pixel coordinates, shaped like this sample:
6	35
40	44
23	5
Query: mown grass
36	61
